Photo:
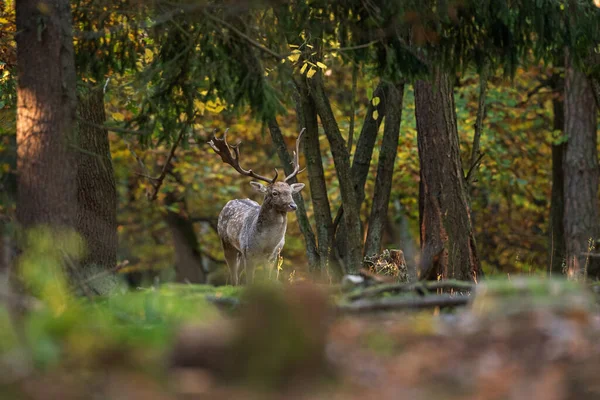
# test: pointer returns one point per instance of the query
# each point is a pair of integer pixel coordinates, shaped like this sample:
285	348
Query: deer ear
259	187
296	187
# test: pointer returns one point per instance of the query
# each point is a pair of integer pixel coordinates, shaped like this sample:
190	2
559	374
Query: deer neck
269	217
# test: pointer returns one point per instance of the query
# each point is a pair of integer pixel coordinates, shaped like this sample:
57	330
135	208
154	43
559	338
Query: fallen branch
230	302
397	304
419	287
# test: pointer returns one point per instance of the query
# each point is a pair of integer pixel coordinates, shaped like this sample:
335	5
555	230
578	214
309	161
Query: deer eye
275	193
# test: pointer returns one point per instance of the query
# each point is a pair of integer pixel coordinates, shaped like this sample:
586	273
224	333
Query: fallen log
422	288
404	303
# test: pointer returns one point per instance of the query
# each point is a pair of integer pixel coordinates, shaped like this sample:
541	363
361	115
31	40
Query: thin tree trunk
307	117
447	240
96	187
385	169
341	160
580	169
557	205
309	237
361	163
188	260
45	114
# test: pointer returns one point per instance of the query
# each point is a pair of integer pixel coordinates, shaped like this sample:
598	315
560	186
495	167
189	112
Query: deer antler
223	149
296	161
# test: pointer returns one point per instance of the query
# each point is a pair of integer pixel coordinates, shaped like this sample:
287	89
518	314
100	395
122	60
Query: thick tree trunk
341	160
580	169
447	240
557	205
96	188
45	114
309	237
307	116
385	169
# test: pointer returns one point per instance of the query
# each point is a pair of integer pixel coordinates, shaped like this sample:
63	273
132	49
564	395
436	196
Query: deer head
278	195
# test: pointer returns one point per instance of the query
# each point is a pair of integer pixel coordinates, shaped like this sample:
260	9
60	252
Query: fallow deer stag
251	234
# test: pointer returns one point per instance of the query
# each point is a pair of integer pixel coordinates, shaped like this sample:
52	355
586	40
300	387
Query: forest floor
540	341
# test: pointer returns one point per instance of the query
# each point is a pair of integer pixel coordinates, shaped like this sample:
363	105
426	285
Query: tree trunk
188	260
580	169
307	117
361	163
46	109
557	205
447	240
309	237
96	187
341	160
385	169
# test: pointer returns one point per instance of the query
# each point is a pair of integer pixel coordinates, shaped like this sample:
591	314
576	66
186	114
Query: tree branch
242	35
157	182
476	154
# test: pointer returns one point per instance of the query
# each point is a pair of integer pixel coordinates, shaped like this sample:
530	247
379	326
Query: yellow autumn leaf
375	101
214	106
294	57
303	68
311	72
198	105
3	21
321	65
118	116
375	114
309	46
148	54
293	46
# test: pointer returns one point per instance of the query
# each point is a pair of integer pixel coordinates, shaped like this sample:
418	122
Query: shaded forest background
142	61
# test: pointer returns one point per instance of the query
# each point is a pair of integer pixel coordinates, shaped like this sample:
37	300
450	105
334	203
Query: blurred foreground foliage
169	342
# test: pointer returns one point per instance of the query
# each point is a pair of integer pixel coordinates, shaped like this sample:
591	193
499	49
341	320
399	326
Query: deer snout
293	207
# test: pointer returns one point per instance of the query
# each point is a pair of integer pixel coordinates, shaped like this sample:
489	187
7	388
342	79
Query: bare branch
476	154
244	36
157	182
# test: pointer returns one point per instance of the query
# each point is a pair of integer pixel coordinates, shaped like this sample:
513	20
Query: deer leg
232	257
249	267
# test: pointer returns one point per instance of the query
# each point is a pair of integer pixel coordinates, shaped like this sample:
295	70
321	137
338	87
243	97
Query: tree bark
341	160
188	260
447	240
557	202
309	237
361	164
46	106
385	168
96	187
580	168
307	117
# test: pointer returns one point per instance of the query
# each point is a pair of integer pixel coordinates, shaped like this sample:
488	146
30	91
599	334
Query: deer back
236	221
